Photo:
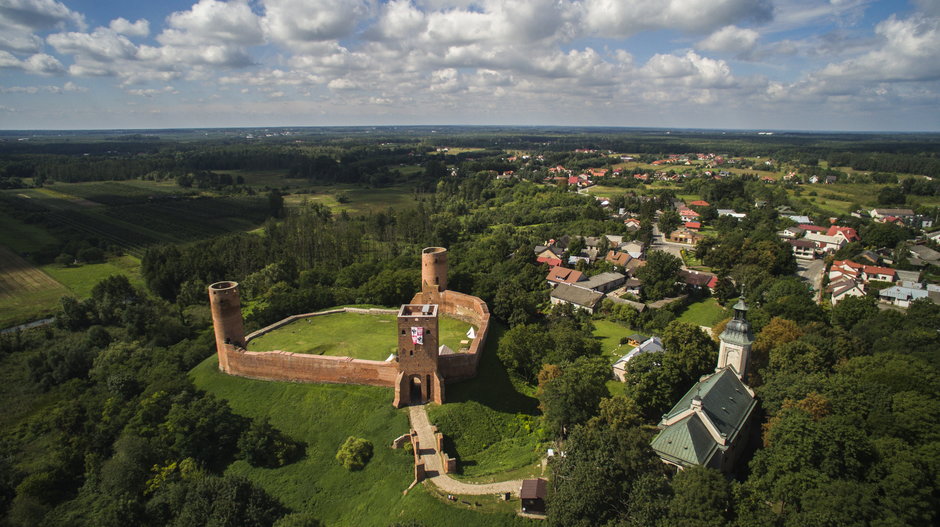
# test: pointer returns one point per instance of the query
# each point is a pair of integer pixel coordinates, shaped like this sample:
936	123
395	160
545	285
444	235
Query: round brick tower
227	321
433	269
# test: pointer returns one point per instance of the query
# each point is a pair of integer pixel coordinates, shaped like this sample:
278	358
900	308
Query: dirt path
434	469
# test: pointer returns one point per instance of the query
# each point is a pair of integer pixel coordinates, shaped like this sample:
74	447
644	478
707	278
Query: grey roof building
577	296
706	426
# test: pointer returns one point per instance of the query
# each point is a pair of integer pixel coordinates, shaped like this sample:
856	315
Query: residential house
902	295
633	265
697	280
633	248
688	214
699	203
579	297
848	232
633	286
804	249
636	338
800	219
563	275
618	259
791	233
826	243
732	213
693	226
808	227
604	282
844	288
925	254
650	345
632	223
683	235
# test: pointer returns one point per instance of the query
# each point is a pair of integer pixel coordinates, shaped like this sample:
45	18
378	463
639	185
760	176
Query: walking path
434	469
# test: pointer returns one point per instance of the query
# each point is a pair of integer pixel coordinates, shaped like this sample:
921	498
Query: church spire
736	341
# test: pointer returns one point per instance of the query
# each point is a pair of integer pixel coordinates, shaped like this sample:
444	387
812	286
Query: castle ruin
417	373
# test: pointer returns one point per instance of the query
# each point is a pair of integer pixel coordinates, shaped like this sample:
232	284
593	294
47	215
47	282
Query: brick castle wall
470	309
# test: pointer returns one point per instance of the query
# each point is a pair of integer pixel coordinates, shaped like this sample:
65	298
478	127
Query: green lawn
489	422
610	333
82	278
704	313
323	416
360	336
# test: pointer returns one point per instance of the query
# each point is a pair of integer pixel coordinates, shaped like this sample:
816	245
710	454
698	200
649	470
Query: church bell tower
736	340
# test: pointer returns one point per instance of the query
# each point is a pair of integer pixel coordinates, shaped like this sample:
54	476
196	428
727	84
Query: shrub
354	453
262	445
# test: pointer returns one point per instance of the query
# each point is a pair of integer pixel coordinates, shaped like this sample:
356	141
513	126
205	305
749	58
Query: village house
649	345
618	259
684	235
604	282
532	494
824	243
698	281
633	286
578	297
791	233
563	275
632	223
844	288
633	248
732	213
688	214
804	249
904	293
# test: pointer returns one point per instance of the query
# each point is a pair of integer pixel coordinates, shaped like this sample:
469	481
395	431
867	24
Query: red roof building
699	203
848	232
563	275
693	225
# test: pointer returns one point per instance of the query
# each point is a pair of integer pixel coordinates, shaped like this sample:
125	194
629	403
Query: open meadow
323	416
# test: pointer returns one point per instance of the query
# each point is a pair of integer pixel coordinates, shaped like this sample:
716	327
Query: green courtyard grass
360	200
81	279
703	313
361	336
323	416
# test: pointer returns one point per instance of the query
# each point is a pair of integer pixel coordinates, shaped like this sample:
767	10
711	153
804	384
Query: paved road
812	271
434	469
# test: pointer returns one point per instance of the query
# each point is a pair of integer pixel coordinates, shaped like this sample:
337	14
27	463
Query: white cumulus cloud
140	28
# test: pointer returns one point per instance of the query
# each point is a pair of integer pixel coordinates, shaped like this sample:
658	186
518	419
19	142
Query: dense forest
112	430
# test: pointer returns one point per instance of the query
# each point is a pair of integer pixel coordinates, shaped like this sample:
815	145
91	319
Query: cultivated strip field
25	291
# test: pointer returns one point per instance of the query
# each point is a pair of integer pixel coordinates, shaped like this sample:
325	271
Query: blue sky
765	64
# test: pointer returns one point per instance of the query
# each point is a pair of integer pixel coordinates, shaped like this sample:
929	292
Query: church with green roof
711	423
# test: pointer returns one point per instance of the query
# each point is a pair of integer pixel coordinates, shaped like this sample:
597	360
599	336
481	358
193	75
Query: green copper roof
727	404
686	442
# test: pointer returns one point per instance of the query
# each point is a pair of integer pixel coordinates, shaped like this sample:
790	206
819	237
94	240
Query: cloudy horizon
854	65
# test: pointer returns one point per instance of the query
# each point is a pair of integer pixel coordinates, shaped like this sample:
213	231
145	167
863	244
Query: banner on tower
417	335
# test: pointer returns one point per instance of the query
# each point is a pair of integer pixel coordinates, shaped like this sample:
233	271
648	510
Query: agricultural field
80	279
323	416
132	224
358	200
26	292
117	192
361	336
23	237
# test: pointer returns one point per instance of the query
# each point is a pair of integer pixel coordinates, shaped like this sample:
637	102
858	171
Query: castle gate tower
433	270
736	340
227	320
418	379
